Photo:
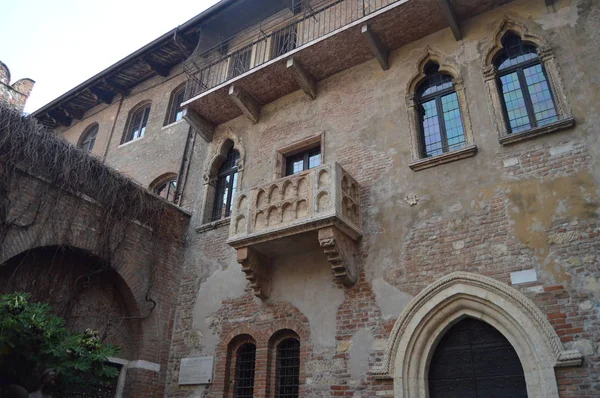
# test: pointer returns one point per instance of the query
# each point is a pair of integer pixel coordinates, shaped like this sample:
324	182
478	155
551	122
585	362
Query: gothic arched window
439	110
226	185
526	95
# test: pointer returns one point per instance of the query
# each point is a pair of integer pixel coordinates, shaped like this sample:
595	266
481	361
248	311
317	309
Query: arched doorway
473	360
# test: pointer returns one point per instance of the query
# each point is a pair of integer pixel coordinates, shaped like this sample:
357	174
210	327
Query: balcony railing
318	207
224	62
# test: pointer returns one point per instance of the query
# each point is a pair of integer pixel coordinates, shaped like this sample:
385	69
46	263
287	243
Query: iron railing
276	37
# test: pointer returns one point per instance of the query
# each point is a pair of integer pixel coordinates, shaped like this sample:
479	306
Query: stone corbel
257	269
340	250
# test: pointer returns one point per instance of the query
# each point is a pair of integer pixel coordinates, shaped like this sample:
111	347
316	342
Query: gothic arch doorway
472	360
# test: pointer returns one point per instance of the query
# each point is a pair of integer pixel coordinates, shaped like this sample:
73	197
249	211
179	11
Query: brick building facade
391	177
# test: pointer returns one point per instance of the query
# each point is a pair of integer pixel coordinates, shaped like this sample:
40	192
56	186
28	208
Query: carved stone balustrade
315	208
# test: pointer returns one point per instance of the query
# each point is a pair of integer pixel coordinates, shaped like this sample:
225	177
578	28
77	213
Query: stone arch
461	294
212	169
518	26
419	76
431	55
225	358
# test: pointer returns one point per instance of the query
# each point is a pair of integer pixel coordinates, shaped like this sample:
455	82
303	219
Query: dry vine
67	174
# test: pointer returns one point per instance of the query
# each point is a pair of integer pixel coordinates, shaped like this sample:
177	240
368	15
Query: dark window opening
176	110
244	371
473	359
226	185
137	124
167	190
303	161
441	121
89	139
240	62
288	368
527	98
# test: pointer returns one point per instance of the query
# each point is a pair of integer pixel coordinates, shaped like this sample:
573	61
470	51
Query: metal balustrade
312	21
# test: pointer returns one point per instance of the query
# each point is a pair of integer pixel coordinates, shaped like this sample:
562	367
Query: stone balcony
316	208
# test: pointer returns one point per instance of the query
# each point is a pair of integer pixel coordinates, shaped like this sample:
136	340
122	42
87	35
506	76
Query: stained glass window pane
453	122
515	103
541	98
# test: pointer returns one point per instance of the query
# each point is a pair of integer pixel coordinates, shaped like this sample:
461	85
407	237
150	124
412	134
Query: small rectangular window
303	161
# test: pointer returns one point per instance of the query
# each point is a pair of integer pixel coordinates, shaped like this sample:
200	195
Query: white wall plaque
196	370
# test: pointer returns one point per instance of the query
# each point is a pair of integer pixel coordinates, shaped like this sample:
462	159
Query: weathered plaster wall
532	205
160	150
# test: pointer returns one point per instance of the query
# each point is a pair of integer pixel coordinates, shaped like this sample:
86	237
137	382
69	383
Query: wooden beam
245	102
60	117
74	113
102	96
305	80
156	67
451	18
116	88
380	51
203	127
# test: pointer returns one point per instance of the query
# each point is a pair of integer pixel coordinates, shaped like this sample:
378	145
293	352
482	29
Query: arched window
226	185
475	360
245	359
136	128
88	138
526	94
441	121
288	368
176	111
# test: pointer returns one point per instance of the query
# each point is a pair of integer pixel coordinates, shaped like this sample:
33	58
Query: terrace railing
235	55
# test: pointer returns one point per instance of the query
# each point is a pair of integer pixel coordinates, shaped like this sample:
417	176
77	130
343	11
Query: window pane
431	129
515	103
178	113
314	160
244	371
454	128
288	368
541	98
297	166
233	189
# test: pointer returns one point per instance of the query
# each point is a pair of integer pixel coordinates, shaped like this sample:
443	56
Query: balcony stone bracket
379	50
257	270
204	128
304	79
248	105
341	254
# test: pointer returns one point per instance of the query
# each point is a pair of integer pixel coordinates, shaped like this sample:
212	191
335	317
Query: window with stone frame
136	125
441	124
245	362
527	99
166	187
176	111
524	87
88	138
226	185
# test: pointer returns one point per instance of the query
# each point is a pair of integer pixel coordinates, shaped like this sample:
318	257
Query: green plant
33	339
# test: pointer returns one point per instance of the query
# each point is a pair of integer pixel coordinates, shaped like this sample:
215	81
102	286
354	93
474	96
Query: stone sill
213	225
453	156
532	133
